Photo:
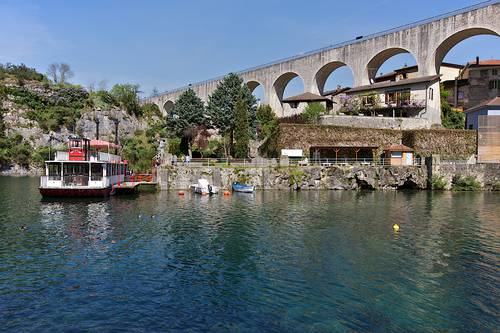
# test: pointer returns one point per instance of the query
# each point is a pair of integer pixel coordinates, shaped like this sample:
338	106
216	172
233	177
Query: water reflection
271	261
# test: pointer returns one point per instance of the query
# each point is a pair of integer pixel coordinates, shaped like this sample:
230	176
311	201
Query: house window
294	105
494	71
471	126
494	84
397	154
397	97
431	94
460	95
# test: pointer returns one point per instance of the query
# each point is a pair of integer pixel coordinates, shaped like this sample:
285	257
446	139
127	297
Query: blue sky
167	44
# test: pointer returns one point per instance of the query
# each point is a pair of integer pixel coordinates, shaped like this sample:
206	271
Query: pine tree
221	107
188	115
241	130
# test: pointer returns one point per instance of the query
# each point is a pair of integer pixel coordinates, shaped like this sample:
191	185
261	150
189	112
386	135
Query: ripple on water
272	261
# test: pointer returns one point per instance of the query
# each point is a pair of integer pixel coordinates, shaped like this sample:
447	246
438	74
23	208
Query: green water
274	261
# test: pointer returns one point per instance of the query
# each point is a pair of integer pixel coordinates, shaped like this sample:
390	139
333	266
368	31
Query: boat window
96	172
54	171
76	169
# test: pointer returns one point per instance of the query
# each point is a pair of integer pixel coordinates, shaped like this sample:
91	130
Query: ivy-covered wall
305	136
450	144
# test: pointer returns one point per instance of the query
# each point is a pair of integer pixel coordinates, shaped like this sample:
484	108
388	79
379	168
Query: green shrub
267	121
150	110
102	99
20	72
312	112
70	96
468	183
24	97
14	150
40	155
296	177
139	151
174	146
439	183
127	96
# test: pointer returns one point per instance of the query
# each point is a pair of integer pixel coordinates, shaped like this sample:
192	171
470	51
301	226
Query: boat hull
243	188
75	192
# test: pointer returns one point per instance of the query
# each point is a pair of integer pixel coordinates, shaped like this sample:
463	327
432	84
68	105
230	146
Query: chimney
477	61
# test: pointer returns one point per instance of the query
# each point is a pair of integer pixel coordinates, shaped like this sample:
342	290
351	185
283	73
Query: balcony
398	108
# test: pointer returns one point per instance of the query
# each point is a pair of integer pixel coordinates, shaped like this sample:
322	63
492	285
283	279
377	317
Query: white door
409	159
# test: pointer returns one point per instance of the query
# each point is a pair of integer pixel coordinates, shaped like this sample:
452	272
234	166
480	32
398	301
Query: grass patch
296	177
465	183
439	183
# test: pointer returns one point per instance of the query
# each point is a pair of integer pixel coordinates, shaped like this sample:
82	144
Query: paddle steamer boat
87	169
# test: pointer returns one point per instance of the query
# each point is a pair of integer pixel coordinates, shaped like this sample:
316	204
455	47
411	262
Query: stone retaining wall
313	177
488	175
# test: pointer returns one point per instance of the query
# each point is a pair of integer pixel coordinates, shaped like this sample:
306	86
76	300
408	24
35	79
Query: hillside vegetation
37	115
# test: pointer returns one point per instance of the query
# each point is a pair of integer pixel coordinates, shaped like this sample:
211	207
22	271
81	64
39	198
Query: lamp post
116	121
96	128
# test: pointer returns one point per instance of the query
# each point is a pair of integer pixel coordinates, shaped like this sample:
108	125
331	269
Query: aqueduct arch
378	60
325	71
446	45
168	107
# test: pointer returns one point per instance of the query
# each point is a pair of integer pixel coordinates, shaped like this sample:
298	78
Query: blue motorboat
239	187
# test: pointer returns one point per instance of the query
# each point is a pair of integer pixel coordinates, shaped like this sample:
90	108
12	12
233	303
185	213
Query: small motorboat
204	188
239	187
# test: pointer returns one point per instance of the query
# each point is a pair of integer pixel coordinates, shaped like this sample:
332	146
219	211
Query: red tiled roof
305	97
399	147
491	62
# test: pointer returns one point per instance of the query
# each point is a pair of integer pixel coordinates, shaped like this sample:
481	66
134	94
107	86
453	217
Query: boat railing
107	157
62	156
76	180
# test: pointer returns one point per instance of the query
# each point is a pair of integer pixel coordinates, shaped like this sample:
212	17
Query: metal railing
342	44
221	162
272	162
140	178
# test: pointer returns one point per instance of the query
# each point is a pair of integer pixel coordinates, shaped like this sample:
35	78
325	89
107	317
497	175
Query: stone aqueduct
428	41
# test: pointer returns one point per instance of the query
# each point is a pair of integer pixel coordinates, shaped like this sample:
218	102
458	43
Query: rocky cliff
35	115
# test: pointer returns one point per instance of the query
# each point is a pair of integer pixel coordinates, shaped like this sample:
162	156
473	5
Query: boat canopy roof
100	144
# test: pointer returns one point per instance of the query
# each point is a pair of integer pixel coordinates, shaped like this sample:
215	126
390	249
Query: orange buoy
181	192
227	193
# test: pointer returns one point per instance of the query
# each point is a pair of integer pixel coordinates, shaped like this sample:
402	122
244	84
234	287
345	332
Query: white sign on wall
291	152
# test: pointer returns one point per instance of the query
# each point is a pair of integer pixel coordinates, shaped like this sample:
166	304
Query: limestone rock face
86	126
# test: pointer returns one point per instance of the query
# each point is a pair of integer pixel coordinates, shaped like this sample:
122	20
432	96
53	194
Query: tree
221	107
313	111
155	92
60	73
449	118
127	96
65	73
267	121
53	72
241	130
188	115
